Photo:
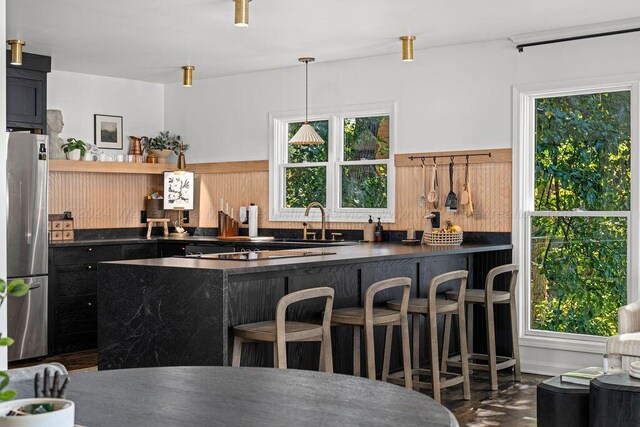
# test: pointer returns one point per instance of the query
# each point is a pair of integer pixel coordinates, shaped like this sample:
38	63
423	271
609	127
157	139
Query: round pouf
615	401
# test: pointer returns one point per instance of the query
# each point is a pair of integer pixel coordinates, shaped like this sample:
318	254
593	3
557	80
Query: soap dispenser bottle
369	230
377	237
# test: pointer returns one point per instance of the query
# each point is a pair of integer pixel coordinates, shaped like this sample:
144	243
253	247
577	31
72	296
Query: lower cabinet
73	288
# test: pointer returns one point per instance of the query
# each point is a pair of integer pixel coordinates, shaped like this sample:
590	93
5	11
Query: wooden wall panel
109	200
490	186
101	200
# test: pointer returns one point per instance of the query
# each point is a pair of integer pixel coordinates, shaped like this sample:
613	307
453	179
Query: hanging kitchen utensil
422	199
452	199
464	197
432	197
436	202
468	208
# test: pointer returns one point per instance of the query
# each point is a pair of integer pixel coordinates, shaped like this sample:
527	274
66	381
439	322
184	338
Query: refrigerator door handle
35	286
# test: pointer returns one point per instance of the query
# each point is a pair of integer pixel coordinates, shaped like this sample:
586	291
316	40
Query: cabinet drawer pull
89	267
89	304
89	249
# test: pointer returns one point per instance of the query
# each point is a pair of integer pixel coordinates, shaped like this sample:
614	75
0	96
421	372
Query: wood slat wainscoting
490	181
104	200
115	199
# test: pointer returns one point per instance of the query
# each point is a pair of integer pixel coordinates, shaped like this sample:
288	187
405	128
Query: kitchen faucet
306	213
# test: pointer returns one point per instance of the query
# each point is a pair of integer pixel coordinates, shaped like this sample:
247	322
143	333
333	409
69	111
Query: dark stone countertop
101	242
193	240
366	252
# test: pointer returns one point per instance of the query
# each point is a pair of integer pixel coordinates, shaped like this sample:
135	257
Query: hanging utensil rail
450	157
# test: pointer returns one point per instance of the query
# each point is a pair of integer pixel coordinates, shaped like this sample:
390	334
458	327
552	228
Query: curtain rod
521	47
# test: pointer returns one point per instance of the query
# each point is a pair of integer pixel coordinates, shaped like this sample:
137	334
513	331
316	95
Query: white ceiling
150	39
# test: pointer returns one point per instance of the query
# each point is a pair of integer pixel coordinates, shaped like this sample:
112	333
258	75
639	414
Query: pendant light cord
306	92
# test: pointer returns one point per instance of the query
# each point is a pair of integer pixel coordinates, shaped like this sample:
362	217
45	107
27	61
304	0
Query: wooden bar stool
488	297
369	316
279	331
431	307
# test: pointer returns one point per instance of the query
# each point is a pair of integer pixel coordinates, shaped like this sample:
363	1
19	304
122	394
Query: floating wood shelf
108	167
155	168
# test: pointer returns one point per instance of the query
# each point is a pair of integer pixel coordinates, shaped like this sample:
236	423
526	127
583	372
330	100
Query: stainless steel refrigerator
27	243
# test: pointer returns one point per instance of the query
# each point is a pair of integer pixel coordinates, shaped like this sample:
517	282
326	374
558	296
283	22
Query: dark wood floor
514	404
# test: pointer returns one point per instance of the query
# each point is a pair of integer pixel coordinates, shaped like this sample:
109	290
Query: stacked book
582	376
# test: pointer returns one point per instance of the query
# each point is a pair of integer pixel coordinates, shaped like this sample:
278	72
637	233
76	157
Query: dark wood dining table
225	396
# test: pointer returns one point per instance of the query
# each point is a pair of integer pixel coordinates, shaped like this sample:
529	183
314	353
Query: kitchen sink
259	255
323	241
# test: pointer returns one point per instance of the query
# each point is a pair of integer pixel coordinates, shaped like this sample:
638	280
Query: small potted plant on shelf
49	408
163	145
75	149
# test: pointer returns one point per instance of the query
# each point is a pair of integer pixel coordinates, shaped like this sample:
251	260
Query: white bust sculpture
54	129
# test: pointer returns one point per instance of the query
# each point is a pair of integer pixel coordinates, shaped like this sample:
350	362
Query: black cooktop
259	255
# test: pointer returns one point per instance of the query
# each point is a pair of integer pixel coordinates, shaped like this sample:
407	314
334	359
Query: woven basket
442	239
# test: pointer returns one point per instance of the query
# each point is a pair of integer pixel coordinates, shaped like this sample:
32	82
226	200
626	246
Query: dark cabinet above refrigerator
27	93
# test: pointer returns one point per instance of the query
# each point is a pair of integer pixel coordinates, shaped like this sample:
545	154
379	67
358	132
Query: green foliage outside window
363	186
307	184
579	264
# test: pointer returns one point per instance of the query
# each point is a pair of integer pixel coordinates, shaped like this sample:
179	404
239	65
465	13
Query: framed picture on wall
107	131
178	190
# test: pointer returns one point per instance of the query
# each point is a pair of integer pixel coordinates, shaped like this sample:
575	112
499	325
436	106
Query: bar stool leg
275	355
406	352
328	350
464	354
435	364
356	351
282	353
237	351
415	324
514	338
321	366
371	351
445	341
491	346
388	339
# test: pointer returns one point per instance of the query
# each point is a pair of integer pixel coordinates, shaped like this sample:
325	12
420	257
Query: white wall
226	118
80	96
449	98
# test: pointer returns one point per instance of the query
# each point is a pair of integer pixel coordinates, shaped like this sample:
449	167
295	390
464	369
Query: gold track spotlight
407	47
16	51
242	13
187	75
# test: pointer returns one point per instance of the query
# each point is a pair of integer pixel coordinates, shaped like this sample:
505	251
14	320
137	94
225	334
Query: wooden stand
163	221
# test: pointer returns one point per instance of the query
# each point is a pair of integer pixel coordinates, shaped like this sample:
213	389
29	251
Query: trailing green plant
75	144
15	288
165	140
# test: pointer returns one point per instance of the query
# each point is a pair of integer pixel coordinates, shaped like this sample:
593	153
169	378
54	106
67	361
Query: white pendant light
306	135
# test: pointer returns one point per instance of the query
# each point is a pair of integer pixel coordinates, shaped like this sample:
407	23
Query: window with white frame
576	158
351	174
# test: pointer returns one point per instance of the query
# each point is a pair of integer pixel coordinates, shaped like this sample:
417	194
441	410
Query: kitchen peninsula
180	311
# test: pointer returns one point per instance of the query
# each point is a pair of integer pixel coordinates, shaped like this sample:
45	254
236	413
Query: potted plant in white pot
75	149
37	412
163	145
